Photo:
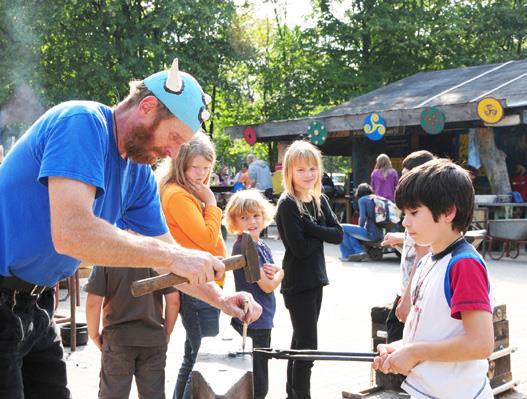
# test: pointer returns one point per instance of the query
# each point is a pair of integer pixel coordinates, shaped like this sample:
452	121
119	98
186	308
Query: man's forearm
97	242
210	293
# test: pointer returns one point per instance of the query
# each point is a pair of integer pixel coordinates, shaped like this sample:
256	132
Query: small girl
249	211
194	220
305	221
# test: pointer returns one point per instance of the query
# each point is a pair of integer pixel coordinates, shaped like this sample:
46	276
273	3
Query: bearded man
78	170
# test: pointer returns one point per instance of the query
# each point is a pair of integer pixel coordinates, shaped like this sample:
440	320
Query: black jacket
303	235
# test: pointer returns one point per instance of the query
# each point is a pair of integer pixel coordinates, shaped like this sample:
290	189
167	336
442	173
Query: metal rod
311	355
316	352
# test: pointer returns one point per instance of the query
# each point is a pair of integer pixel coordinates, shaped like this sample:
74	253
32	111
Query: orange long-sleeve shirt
191	224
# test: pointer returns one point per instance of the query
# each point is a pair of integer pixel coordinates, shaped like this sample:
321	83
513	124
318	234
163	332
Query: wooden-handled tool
247	260
245	325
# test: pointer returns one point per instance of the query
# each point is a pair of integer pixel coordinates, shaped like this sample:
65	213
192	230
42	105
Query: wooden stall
478	110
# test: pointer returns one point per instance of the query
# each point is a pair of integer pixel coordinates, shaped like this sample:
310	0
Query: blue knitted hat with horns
181	94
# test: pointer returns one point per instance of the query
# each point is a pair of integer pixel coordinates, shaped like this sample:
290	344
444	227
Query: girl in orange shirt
194	220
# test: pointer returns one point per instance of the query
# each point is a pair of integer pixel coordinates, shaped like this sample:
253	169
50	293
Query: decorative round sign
250	135
317	133
374	126
432	120
490	110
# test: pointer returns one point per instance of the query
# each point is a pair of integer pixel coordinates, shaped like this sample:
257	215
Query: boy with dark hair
449	333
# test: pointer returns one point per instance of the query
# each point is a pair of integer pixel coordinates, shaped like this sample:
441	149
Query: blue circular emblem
374	126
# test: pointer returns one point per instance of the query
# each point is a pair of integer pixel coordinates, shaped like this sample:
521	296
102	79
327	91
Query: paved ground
344	326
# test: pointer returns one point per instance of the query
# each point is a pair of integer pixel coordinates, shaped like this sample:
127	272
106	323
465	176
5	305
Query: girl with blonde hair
194	220
384	178
305	221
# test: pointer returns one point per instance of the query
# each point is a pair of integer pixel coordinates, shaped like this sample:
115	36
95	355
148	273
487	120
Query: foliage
255	69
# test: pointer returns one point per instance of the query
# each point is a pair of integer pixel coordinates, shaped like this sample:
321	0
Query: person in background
472	172
519	181
367	230
305	221
249	211
135	334
384	178
242	177
411	254
194	220
225	179
260	176
1	154
328	186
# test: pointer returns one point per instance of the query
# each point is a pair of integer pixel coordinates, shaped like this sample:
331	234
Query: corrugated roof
507	81
456	91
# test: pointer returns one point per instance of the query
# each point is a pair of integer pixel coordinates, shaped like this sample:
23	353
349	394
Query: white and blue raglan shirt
444	285
73	140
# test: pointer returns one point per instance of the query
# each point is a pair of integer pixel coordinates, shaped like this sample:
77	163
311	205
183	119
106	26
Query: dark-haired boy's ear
450	214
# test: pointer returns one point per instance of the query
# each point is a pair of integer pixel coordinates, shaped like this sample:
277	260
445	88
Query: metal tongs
308	355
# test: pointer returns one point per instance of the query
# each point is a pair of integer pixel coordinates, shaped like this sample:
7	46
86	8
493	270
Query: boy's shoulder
459	253
465	251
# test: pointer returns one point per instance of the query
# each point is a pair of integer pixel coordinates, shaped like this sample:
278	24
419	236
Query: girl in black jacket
305	221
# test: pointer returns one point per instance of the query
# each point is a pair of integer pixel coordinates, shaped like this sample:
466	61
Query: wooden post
493	160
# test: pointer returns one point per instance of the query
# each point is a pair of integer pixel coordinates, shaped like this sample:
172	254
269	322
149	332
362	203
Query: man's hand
197	266
233	305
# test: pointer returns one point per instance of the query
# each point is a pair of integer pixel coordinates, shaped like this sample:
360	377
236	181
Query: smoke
19	62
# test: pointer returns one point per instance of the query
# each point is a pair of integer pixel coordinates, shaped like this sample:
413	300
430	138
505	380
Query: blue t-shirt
73	140
266	301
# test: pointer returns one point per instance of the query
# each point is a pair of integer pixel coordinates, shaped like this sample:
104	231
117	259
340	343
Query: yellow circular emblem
490	110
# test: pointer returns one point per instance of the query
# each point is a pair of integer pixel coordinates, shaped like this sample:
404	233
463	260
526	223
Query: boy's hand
401	361
403	308
270	270
384	351
392	239
97	340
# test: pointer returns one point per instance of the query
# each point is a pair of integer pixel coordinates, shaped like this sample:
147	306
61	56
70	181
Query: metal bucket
81	334
508	229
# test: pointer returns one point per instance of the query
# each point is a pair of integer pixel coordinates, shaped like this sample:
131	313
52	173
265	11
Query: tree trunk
493	160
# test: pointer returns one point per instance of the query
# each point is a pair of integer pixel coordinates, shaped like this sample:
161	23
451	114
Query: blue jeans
31	354
200	320
350	243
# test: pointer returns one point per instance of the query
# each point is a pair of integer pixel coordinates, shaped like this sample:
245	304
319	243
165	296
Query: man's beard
138	145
